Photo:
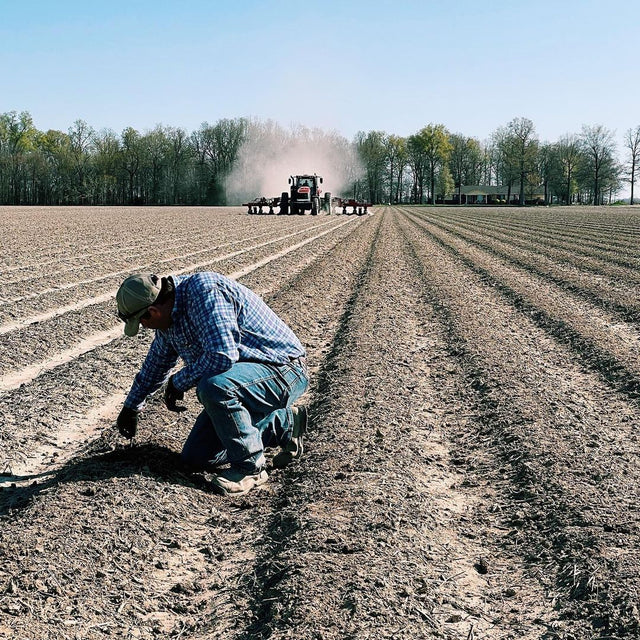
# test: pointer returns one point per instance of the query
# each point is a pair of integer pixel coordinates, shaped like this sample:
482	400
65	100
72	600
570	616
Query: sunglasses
126	317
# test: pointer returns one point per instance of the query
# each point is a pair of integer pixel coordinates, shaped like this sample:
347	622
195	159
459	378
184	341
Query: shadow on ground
151	459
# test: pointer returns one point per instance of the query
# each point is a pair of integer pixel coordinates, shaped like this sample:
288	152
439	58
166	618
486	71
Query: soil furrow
113	253
542	418
470	470
598	263
25	400
587	325
80	270
178	555
593	351
228	262
172	265
60	233
54	232
607	295
568	257
376	538
154	555
558	228
40	342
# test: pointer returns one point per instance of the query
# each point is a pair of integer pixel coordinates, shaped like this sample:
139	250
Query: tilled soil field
472	465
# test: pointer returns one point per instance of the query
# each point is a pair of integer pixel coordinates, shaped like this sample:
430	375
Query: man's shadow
148	459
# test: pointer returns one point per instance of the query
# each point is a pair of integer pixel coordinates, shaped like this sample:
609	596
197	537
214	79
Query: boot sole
221	490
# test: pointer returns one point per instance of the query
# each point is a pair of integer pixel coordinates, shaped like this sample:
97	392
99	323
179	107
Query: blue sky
348	66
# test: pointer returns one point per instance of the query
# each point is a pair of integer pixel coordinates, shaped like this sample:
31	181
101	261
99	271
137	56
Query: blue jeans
246	408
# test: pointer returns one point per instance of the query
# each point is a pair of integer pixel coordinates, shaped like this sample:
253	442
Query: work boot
294	449
235	482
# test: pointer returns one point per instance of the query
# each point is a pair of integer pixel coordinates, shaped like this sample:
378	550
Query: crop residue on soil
472	462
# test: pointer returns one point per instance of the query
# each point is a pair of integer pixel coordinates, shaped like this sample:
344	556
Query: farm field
472	466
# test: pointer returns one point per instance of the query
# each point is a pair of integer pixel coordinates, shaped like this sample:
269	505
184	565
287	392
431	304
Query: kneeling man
246	365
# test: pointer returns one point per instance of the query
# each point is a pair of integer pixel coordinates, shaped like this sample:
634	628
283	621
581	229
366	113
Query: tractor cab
305	193
306	186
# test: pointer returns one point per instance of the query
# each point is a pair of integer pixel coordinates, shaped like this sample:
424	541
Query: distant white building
495	194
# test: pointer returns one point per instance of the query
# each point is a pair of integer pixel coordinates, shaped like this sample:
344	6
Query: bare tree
632	142
81	137
395	148
599	148
503	160
569	153
180	152
131	159
402	163
373	154
417	163
156	148
548	168
107	163
217	147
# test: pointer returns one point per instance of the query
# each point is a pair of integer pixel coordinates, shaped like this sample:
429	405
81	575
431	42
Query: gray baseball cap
135	295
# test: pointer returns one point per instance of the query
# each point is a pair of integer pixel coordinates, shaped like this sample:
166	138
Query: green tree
18	138
465	161
396	157
434	148
446	184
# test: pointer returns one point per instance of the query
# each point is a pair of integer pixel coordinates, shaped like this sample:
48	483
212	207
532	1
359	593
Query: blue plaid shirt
216	322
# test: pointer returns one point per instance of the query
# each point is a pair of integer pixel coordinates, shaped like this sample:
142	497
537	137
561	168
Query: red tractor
304	195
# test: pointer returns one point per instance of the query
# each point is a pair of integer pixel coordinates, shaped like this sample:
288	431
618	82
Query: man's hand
127	422
171	395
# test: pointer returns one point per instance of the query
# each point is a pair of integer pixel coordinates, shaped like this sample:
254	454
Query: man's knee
215	389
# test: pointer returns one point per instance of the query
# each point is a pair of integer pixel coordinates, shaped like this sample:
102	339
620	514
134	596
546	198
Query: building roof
496	190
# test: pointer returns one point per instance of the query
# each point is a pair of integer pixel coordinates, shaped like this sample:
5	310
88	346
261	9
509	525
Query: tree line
169	166
163	166
433	165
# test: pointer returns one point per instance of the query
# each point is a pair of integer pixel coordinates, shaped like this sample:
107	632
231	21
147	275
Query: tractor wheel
294	209
315	206
326	205
284	204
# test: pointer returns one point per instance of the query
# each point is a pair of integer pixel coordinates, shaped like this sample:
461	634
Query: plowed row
472	463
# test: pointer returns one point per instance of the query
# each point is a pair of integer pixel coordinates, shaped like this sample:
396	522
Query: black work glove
127	422
171	395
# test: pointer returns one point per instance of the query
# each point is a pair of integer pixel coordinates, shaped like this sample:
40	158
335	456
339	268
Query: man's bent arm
154	371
